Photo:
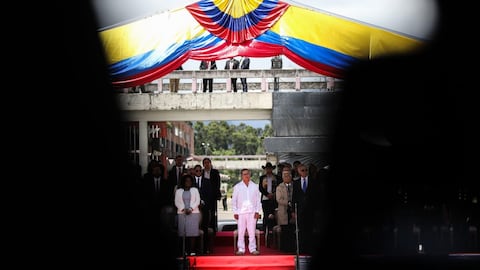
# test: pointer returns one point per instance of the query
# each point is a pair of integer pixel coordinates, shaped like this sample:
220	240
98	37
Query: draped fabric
149	48
237	21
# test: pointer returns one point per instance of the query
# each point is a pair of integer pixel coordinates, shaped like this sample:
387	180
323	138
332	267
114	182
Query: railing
231	162
238	157
298	76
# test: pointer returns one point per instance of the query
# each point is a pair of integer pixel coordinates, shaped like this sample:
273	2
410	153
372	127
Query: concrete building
170	138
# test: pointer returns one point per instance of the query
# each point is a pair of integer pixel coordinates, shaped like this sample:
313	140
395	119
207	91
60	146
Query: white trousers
246	222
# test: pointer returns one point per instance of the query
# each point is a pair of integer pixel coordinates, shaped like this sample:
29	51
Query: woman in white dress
187	201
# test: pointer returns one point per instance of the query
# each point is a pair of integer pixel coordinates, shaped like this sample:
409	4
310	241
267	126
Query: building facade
164	137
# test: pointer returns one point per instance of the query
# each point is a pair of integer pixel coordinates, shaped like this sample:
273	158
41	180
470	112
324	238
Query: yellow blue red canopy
149	48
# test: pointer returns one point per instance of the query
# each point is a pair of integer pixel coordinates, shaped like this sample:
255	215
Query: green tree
245	140
225	139
267	131
214	136
218	135
199	137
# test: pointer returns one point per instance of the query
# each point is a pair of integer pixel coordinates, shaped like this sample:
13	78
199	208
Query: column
143	145
160	85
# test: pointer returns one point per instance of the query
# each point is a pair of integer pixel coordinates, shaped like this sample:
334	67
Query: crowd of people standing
290	198
292	204
183	201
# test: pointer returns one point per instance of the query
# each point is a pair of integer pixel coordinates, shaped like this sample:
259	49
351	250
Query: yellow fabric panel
339	34
381	44
237	8
159	32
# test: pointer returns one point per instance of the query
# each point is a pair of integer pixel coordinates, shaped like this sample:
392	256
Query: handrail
241	73
262	74
227	157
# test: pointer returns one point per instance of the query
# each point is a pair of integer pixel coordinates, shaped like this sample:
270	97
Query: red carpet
223	256
226	239
228	251
224	246
261	262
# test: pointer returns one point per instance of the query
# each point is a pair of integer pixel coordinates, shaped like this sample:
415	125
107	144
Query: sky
253	123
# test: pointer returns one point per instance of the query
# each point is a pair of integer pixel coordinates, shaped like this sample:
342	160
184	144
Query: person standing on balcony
231	64
208	82
276	64
175	82
244	64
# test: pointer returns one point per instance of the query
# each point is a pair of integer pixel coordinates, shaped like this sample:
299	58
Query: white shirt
269	179
206	174
289	191
157	183
199	183
246	199
269	183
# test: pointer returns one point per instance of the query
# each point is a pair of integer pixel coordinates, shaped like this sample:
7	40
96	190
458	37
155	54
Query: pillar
194	84
229	82
143	145
160	85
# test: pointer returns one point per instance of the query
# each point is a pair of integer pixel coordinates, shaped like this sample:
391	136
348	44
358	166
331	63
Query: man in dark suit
175	82
158	194
277	64
208	82
177	170
214	176
206	205
267	186
232	63
244	64
305	196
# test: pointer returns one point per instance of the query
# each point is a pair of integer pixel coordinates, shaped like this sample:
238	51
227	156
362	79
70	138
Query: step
247	261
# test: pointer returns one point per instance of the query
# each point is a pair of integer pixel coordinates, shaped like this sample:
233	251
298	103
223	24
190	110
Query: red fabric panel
152	74
248	48
314	66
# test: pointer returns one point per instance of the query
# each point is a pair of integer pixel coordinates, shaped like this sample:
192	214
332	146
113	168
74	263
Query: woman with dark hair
187	201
